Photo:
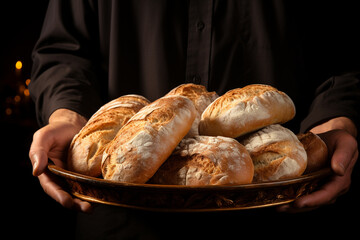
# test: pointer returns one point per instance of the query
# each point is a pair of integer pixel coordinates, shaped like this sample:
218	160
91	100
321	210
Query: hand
339	135
52	142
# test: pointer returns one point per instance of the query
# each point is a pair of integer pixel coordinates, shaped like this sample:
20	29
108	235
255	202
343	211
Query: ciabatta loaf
148	139
276	153
243	110
205	160
316	150
86	148
201	99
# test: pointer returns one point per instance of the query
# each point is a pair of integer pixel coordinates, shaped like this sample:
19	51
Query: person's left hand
339	136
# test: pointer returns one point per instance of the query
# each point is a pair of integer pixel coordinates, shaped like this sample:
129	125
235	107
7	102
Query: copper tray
156	197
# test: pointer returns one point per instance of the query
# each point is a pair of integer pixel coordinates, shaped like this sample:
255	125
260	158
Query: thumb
39	150
343	147
39	161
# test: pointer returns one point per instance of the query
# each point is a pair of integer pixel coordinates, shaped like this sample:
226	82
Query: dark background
34	214
26	206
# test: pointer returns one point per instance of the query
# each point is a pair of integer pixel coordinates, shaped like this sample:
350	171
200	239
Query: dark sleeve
64	73
336	97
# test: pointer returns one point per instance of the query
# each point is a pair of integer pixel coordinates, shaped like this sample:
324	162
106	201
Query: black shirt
90	52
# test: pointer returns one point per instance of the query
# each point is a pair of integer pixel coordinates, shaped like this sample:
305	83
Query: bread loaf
148	139
276	153
205	160
201	99
316	150
86	148
243	110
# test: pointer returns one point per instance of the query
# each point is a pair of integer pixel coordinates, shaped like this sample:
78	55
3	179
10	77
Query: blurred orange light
22	88
8	111
17	98
18	65
26	92
27	82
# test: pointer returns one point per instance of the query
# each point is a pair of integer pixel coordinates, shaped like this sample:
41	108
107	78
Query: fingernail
340	168
87	208
35	168
35	165
300	203
283	208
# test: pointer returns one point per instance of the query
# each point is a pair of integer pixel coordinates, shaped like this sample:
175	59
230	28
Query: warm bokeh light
18	65
27	82
17	98
22	88
8	111
26	92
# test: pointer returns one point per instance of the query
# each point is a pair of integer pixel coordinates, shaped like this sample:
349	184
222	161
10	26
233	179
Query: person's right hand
52	142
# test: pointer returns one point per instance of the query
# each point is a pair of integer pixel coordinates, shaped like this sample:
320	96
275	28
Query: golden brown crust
130	101
205	160
316	151
148	139
243	110
276	153
193	92
86	149
201	99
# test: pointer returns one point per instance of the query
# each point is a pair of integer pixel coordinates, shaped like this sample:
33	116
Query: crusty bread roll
276	153
205	160
201	99
86	148
243	110
316	150
147	140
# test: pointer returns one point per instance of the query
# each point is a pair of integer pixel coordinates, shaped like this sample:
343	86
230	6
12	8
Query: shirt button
200	25
196	79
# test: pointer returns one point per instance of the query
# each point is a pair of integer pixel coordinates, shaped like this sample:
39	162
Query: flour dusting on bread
243	110
276	153
87	147
205	160
146	141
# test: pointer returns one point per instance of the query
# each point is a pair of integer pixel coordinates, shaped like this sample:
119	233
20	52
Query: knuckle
39	134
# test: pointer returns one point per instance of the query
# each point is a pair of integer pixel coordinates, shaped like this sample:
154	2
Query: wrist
342	123
69	116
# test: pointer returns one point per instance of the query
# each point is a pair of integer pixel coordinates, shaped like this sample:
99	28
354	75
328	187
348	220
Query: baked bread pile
194	137
87	147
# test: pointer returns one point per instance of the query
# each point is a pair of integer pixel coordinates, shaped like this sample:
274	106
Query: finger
55	190
316	199
82	206
39	150
343	154
309	202
343	149
327	194
345	157
289	208
39	159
